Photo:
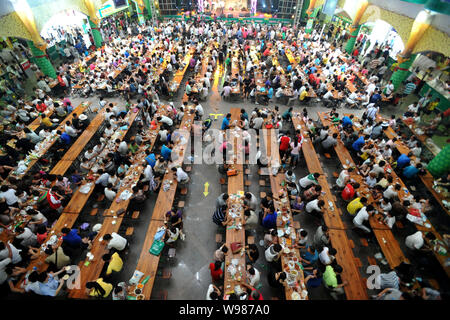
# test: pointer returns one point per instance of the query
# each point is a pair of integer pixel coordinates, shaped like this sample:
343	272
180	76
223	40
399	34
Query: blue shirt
313	69
358	144
69	108
49	288
403	161
270	221
151	159
410	172
166	152
289	68
312	258
375	98
65	138
270	93
72	238
225	123
347	122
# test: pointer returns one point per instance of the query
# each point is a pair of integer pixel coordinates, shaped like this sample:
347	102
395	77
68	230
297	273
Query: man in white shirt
70	130
182	177
9	195
273	252
416	240
253	275
7	250
123	148
343	178
257	123
43	85
363	215
89	154
372	111
391	191
165	120
327	255
148	173
370	88
315	206
110	194
115	241
199	109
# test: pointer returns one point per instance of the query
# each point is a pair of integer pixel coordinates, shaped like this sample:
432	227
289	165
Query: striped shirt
389	280
219	216
410	87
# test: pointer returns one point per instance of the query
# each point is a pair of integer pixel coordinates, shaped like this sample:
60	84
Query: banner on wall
25	64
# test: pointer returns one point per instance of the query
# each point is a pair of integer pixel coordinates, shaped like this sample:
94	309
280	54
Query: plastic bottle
145	280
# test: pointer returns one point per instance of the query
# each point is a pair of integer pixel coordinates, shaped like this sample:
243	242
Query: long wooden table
76	204
235	232
386	240
112	222
48	143
355	289
148	263
427	178
66	161
290	257
405	193
179	75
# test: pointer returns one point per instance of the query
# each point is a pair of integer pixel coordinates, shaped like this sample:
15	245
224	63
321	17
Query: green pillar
310	22
95	33
140	14
352	40
42	61
440	165
303	15
149	9
402	72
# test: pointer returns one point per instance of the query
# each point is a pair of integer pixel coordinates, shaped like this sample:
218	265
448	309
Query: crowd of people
139	64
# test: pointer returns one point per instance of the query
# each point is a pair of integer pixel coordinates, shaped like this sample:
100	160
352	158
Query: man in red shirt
216	271
41	107
349	191
284	145
254	294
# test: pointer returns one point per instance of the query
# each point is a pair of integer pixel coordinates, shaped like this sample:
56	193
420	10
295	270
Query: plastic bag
137	275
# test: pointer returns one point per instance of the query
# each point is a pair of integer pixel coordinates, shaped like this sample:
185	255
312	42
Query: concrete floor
190	273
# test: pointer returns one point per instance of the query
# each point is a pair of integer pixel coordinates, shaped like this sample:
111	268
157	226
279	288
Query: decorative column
96	35
140	11
440	165
355	27
406	58
94	23
42	60
311	14
35	42
149	9
401	71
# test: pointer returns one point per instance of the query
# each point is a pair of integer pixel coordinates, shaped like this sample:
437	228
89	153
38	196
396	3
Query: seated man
113	264
115	242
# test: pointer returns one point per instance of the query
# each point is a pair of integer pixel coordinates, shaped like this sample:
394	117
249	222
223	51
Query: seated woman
98	288
297	204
